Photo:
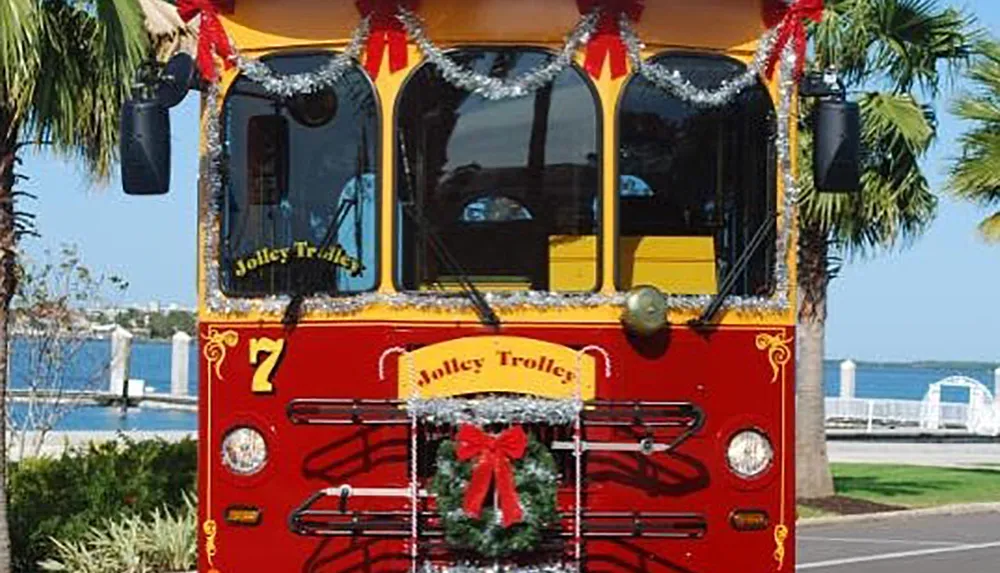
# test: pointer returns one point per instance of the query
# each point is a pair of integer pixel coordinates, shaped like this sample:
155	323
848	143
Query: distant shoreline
918	364
99	336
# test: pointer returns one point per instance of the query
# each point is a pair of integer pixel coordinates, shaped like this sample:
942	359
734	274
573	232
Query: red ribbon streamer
387	34
493	455
607	41
791	21
212	38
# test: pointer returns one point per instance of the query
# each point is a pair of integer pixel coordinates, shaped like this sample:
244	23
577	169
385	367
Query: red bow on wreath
212	38
493	455
386	32
607	40
791	22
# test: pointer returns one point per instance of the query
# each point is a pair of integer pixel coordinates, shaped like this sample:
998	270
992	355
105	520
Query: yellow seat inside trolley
673	264
684	265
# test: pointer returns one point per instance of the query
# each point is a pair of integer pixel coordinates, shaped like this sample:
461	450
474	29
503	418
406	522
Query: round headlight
749	454
244	451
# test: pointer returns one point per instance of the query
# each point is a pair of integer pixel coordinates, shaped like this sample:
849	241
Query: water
87	368
151	362
902	382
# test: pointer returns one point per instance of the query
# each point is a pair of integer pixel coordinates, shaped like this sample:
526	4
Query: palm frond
19	60
890	48
989	229
91	51
975	174
915	39
900	43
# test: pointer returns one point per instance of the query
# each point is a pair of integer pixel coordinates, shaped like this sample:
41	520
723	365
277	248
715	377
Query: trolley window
695	184
506	188
301	203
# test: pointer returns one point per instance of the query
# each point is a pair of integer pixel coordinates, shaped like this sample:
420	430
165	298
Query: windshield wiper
293	311
729	283
486	314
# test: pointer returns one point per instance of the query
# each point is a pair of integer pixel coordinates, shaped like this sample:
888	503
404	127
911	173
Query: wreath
516	469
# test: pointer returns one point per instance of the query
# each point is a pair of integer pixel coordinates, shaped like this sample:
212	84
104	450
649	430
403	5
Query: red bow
791	22
493	455
386	32
212	38
607	40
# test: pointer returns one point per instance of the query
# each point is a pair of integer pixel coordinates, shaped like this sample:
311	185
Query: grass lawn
915	486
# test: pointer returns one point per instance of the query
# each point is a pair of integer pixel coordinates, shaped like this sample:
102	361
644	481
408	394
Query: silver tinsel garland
672	81
785	248
494	410
218	302
308	82
498	568
497	88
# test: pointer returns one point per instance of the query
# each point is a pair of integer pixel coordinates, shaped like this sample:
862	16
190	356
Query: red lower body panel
330	420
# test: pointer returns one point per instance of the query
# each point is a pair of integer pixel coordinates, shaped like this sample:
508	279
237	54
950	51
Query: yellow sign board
496	364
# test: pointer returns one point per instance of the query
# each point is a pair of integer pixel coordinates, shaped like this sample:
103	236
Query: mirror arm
823	85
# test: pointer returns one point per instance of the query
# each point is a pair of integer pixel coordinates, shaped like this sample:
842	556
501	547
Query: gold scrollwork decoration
778	352
211	529
780	535
215	348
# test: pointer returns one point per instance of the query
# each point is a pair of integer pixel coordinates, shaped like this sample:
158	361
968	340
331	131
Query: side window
509	188
301	202
695	184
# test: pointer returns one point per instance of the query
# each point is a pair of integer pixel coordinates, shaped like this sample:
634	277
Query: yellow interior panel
681	265
572	263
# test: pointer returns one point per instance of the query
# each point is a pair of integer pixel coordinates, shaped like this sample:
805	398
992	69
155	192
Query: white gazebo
982	413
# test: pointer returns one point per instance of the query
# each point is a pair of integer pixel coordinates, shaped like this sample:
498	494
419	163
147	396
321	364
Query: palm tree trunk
812	467
8	281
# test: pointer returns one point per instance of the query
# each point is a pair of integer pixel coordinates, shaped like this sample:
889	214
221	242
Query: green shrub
65	498
162	541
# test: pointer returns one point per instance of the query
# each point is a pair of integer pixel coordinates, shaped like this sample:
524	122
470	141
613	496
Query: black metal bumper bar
595	525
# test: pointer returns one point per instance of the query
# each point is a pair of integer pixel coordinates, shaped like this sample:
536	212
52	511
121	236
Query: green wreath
536	480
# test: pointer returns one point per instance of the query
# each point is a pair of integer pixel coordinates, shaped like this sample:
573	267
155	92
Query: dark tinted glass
697	173
299	214
509	187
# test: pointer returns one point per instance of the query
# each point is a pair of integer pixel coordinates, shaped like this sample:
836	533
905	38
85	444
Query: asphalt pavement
942	544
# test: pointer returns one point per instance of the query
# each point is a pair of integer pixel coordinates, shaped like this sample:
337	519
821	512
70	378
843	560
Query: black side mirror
837	146
145	125
145	148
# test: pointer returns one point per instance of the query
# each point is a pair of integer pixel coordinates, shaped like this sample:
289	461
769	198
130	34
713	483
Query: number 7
262	376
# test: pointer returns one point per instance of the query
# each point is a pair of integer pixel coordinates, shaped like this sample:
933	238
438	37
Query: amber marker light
243	515
749	520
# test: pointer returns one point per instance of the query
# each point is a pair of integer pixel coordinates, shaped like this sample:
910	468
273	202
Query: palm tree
975	175
893	51
65	68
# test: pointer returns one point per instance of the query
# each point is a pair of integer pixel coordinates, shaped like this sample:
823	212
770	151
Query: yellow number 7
262	376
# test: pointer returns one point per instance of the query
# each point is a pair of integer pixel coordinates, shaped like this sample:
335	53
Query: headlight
749	454
244	451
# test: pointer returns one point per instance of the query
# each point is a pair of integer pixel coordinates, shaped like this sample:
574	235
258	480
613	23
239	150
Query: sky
938	299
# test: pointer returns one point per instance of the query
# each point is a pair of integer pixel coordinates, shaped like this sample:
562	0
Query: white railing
878	413
980	415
